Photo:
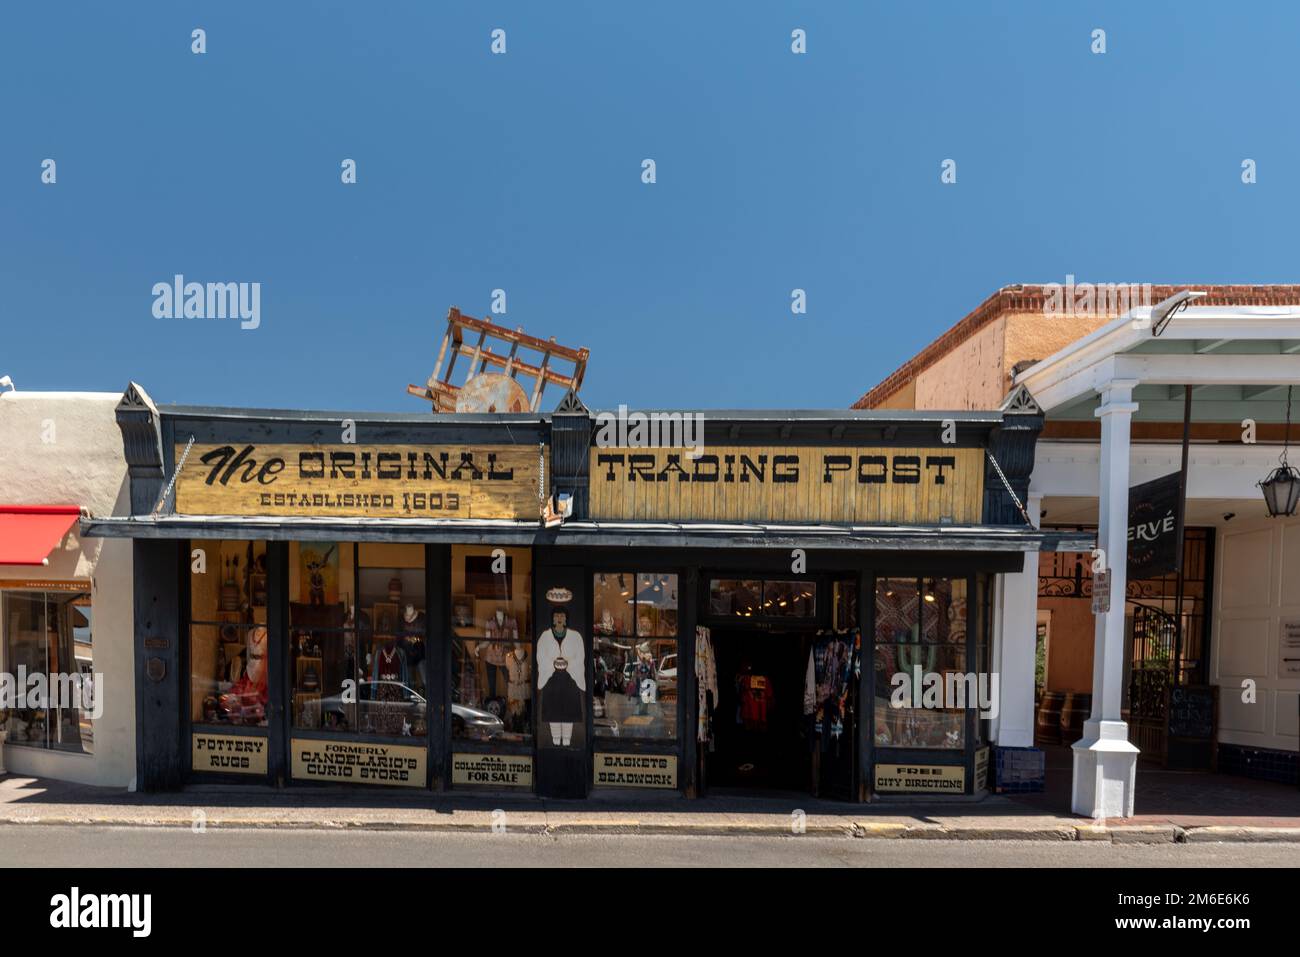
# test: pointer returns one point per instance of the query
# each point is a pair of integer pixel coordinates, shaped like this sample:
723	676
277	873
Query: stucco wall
971	376
904	398
1032	335
977	373
1256	588
66	449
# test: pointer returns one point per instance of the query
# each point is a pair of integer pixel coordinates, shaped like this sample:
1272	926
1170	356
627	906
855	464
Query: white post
1105	763
1018	640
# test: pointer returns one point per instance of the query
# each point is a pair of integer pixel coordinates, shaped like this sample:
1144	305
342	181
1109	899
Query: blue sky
522	172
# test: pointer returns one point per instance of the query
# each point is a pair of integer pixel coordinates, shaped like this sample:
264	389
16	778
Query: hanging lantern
1282	487
1281	491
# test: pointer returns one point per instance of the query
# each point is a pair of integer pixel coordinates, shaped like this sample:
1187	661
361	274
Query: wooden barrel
1074	712
1048	728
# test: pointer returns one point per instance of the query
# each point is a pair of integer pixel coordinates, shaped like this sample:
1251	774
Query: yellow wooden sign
492	770
792	484
228	753
390	481
635	770
356	763
920	779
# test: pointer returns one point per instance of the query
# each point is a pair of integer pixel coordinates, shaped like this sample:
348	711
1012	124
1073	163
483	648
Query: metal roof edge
832	416
656	534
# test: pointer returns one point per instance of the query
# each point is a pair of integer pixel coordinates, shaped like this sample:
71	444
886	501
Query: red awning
28	533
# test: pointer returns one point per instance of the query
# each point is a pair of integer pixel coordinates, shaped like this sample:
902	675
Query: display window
358	639
229	643
634	655
49	633
491	646
920	632
762	598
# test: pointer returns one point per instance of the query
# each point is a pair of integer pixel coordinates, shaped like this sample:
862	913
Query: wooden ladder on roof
486	337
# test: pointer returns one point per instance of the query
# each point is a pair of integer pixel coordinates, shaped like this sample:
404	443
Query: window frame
605	743
963	756
69	596
527	636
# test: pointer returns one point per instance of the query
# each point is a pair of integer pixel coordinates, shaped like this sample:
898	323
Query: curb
861	830
1146	834
1215	832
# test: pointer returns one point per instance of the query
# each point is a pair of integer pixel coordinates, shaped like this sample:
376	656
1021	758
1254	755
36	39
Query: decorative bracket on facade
571	405
1010	459
1020	401
571	425
141	426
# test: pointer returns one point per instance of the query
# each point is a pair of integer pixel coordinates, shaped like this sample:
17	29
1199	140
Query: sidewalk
25	800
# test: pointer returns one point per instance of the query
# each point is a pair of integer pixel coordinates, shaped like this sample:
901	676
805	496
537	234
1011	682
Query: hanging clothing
504	630
519	687
493	649
520	672
389	698
389	665
706	679
831	665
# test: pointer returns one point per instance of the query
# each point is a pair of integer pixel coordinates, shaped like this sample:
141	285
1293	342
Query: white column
1017	644
1105	763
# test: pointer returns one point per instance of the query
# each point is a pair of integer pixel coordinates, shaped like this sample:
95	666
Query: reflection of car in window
467	722
668	675
411	705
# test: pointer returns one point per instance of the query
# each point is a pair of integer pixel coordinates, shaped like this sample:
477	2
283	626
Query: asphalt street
32	845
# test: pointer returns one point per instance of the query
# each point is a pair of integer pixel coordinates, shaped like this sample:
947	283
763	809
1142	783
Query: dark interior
777	757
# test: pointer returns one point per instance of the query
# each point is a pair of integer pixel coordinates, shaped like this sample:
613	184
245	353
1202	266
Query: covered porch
1115	403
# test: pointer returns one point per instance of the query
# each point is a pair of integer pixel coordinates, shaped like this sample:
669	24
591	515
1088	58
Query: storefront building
65	598
1194	666
511	602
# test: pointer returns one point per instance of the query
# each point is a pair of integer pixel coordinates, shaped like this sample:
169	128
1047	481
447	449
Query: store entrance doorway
762	739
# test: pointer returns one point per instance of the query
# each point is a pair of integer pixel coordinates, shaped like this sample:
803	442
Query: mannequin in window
412	641
519	668
388	676
499	629
561	678
245	703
